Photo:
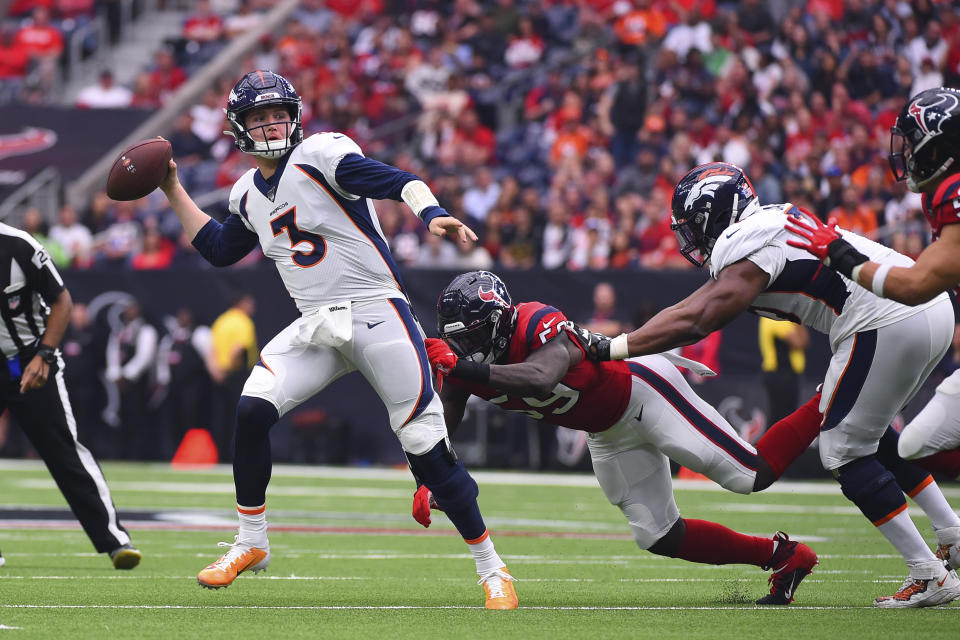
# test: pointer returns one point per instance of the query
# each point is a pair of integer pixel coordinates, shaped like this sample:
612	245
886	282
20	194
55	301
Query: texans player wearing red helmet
638	414
925	152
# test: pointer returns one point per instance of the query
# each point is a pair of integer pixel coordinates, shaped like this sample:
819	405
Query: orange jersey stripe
840	379
336	202
422	381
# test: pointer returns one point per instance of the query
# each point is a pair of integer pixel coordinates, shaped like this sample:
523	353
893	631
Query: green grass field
349	562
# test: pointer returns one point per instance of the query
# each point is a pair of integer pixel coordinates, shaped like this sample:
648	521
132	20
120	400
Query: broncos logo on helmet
925	140
476	317
706	201
262	89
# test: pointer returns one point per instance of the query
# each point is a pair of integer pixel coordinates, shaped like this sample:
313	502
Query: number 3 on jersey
287	221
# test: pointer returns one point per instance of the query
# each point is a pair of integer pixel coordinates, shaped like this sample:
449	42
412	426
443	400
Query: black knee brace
870	486
445	476
909	476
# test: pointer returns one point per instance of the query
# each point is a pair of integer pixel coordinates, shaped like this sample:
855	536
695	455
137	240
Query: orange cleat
498	586
241	557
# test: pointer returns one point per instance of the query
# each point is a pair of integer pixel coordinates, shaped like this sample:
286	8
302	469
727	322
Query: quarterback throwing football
307	204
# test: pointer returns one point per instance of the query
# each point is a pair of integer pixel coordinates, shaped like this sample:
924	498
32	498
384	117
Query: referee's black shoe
125	557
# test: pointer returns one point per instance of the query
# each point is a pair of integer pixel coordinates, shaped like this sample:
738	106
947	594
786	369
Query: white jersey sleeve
325	151
238	195
758	238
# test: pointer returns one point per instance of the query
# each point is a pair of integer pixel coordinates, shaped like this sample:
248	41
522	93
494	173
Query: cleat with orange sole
241	557
498	587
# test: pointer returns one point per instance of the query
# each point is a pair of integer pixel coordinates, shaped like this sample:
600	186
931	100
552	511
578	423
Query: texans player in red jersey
638	415
924	151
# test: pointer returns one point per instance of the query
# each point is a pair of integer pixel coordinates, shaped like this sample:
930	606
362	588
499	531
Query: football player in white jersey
307	204
925	153
882	353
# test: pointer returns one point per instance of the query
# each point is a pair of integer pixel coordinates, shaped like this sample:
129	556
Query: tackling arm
937	270
540	372
707	309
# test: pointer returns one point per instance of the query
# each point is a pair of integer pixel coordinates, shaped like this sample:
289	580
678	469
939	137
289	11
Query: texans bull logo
931	120
491	296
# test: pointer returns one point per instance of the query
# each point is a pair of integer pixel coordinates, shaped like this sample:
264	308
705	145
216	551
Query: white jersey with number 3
327	243
801	288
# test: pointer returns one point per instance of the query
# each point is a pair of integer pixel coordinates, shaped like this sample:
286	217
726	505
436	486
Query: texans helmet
925	140
706	201
261	89
476	317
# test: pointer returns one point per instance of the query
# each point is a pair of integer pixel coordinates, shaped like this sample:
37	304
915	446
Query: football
139	169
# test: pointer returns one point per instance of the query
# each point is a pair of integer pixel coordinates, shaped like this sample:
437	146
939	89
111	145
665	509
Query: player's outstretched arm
707	309
936	269
540	372
190	215
537	375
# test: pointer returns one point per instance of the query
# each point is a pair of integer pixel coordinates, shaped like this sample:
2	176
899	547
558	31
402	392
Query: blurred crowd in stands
556	128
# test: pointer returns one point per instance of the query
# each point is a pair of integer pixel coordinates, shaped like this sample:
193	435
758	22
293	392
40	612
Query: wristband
855	273
842	257
878	277
472	371
418	196
618	348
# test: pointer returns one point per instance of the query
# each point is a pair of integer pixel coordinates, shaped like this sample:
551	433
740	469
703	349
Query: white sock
931	500
903	534
253	525
926	570
485	555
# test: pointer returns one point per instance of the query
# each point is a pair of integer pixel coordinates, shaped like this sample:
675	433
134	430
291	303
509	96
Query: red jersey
592	396
944	206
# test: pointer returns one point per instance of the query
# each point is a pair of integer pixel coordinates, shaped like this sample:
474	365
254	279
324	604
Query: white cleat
917	592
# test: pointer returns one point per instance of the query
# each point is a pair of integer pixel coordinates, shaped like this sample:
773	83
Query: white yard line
931	610
567	479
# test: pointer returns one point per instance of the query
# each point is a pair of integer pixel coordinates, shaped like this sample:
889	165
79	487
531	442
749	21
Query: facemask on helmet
925	140
706	201
475	316
264	89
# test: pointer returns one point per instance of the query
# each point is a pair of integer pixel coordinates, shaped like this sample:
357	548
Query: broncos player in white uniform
308	207
882	352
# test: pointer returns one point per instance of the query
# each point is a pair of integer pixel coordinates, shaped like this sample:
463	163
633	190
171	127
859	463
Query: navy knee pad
453	488
445	476
909	476
872	487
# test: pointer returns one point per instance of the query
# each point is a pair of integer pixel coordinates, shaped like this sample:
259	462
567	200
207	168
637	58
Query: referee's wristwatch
47	353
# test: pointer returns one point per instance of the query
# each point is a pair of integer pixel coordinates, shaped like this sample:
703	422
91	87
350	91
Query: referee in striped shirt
35	309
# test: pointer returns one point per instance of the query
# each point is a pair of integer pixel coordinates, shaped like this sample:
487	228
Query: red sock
788	438
946	462
712	543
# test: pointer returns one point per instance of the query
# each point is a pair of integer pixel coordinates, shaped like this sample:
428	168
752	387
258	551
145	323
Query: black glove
596	345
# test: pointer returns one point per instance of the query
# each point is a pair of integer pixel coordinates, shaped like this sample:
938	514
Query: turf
349	562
